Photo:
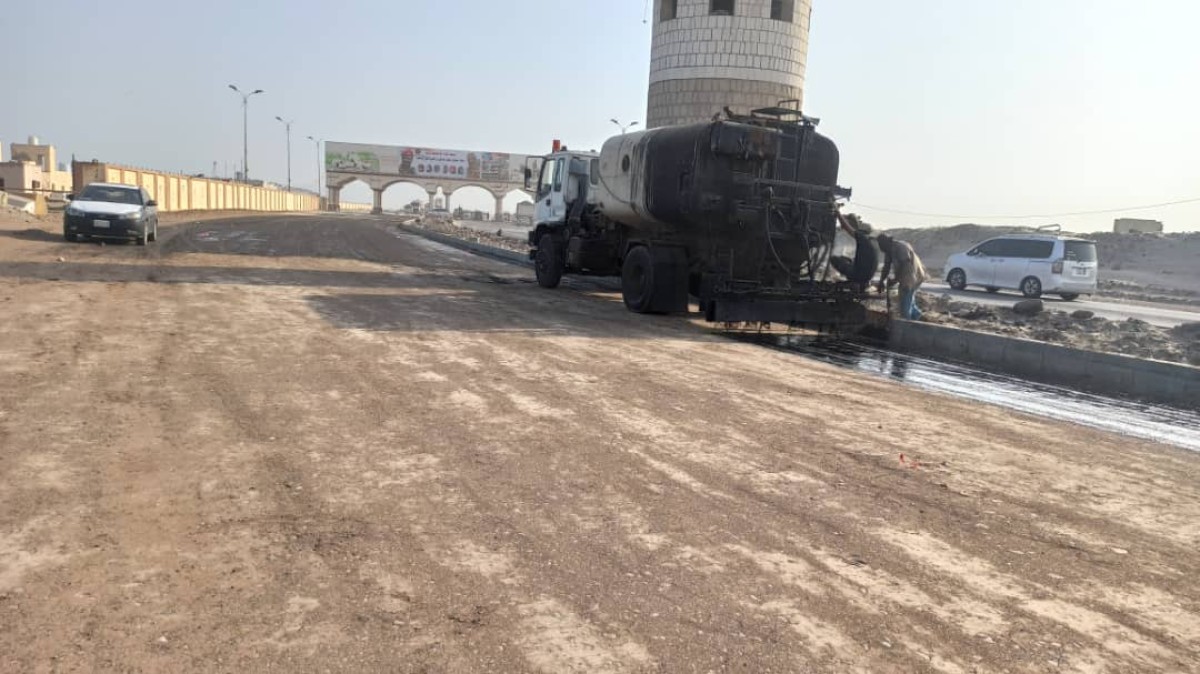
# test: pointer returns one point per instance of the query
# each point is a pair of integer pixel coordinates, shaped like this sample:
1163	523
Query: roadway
311	444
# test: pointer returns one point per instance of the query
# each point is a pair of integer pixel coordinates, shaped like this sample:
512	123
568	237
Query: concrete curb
1107	373
485	250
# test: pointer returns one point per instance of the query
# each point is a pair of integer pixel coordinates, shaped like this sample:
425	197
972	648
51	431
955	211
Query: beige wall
20	175
354	208
27	176
185	193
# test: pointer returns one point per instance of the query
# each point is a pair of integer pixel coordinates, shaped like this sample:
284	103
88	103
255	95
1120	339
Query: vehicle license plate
1081	272
100	224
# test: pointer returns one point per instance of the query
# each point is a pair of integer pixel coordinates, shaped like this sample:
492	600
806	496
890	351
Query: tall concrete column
335	199
377	205
499	208
432	197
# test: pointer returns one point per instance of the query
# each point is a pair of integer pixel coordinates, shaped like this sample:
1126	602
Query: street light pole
289	144
624	127
245	130
319	185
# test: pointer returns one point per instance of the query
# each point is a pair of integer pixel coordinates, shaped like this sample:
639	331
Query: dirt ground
1076	329
310	444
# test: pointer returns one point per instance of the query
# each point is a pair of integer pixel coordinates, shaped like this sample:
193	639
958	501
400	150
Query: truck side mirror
70	197
528	177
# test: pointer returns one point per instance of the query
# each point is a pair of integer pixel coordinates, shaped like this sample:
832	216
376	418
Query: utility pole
245	130
624	127
288	125
320	186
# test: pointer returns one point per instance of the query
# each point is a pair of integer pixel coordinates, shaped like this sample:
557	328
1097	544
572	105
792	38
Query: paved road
1164	315
311	444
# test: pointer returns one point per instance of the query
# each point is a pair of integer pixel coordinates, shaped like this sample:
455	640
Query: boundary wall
176	192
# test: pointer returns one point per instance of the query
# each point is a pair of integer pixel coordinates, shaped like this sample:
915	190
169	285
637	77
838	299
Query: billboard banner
425	163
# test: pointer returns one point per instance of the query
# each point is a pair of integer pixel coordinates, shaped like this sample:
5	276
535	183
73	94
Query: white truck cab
556	181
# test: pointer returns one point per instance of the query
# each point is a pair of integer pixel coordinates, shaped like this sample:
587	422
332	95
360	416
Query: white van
1035	264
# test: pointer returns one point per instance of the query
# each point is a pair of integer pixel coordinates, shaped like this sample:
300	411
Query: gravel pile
1079	329
450	229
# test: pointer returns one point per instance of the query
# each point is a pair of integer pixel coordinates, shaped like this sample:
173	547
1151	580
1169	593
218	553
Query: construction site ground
315	444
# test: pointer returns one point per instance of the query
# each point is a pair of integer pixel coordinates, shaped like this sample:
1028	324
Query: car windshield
1081	251
113	195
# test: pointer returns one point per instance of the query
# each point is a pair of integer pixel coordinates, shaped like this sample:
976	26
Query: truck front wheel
549	262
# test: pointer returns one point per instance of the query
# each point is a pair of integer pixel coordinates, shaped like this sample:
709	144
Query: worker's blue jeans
908	304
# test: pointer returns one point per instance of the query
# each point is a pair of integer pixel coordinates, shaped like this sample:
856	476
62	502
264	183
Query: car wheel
154	232
957	279
144	236
992	289
1031	287
548	263
1070	297
68	236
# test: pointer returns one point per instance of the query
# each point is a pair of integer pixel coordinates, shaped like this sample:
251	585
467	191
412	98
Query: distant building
1133	225
33	167
42	155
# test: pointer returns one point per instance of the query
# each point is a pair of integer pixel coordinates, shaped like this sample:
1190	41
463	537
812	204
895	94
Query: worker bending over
910	273
862	267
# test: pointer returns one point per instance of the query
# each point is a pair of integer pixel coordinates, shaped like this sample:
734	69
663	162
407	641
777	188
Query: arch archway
473	199
354	193
407	195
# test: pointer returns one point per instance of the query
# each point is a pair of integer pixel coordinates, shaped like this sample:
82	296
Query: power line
1027	216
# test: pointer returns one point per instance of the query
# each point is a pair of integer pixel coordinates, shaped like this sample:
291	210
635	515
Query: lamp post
624	127
245	129
288	125
319	185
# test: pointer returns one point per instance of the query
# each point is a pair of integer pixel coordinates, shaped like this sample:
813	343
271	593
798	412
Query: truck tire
637	281
655	281
548	263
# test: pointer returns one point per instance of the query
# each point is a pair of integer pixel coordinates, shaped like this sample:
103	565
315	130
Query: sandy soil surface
306	444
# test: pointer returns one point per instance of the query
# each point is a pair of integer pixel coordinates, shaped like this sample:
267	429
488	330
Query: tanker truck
740	213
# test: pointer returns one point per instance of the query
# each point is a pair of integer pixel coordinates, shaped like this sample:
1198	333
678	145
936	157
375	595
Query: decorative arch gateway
380	166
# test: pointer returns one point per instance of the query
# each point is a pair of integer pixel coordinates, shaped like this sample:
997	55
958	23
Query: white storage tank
708	54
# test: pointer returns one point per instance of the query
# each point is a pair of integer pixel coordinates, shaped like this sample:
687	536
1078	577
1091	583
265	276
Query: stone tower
708	54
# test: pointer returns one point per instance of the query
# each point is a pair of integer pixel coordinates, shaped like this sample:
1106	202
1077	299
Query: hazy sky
960	107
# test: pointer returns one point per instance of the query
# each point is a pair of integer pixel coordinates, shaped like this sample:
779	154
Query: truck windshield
549	176
1081	251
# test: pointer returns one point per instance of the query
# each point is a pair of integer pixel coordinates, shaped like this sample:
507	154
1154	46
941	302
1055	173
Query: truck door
551	205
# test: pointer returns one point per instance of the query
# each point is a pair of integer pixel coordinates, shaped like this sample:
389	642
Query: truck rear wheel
655	281
548	263
637	281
